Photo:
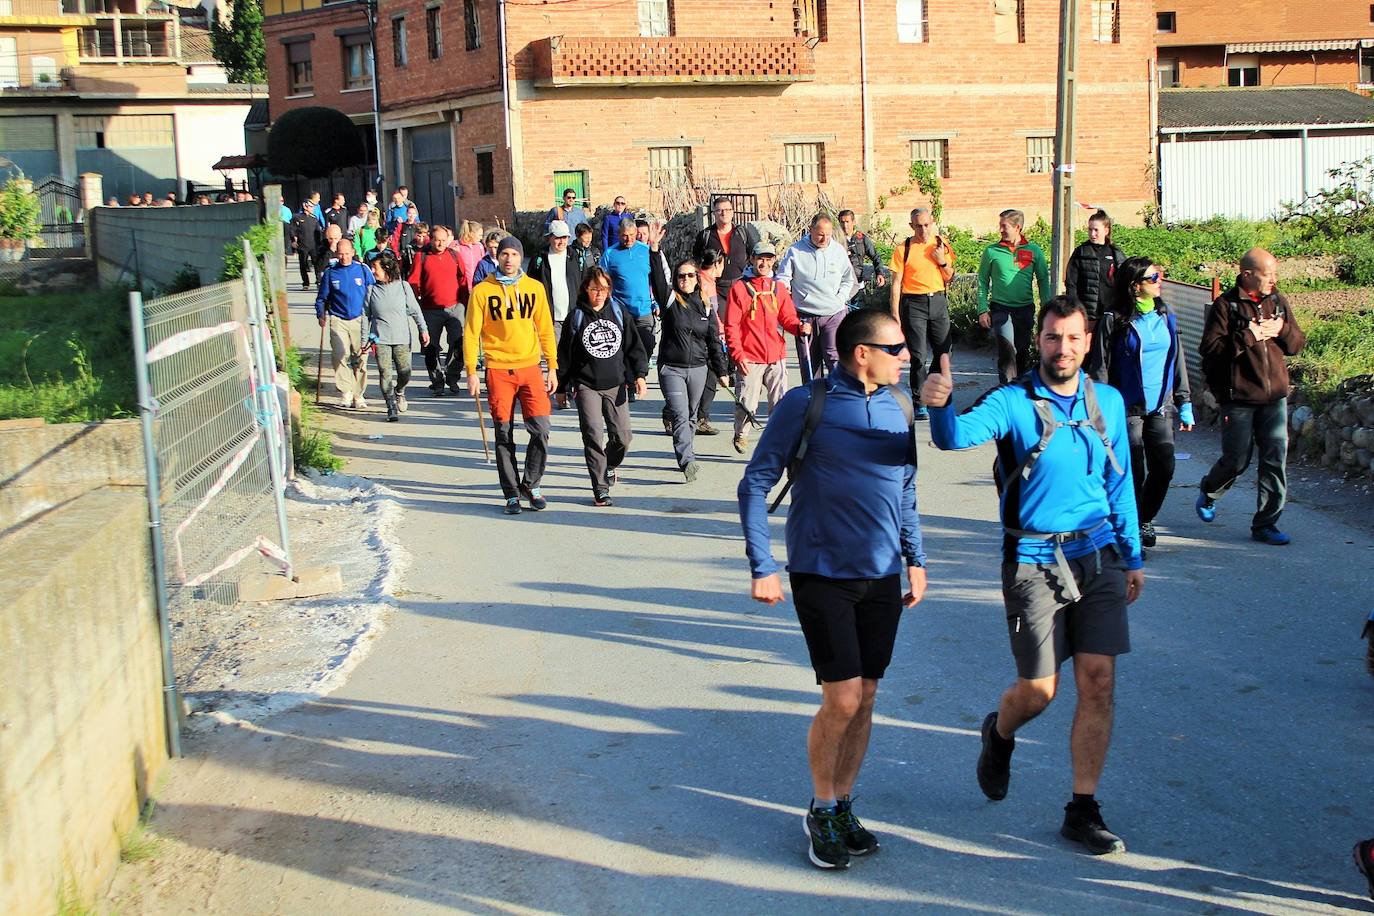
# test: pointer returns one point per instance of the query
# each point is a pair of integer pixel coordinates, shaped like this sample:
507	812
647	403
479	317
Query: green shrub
185	280
311	443
20	211
260	239
1338	348
1355	265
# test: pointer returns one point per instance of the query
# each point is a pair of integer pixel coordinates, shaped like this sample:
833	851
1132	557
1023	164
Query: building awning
1325	44
1252	109
250	161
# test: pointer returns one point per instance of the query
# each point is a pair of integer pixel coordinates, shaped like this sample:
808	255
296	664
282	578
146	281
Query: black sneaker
1362	852
537	500
827	848
994	766
1147	535
513	505
601	499
857	840
612	478
1083	824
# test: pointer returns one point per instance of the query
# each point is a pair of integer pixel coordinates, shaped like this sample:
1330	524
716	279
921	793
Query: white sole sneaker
401	405
360	404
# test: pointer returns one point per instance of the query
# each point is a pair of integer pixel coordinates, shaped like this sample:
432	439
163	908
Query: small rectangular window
300	73
472	25
434	38
1242	70
399	53
1166	22
486	173
1039	155
1009	21
670	166
935	152
808	19
1106	22
803	163
655	18
1166	71
1366	67
912	25
357	62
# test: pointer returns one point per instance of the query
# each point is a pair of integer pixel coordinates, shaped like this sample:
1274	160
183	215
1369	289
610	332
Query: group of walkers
1084	430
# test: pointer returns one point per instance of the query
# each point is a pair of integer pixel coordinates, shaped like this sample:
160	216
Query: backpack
815	406
578	316
1044	412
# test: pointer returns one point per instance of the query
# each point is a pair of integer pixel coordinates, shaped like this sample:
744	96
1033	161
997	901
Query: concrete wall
81	715
166	238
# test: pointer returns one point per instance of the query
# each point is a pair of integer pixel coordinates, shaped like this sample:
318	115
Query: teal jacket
1004	275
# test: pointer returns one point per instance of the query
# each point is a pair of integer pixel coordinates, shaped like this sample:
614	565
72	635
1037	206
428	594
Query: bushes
1338	347
1355	265
260	239
311	444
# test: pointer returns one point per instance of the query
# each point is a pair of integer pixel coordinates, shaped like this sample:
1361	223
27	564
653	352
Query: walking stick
748	414
319	364
807	369
482	425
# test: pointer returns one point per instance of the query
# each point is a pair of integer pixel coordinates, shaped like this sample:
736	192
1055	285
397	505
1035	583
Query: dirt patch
1306	267
1325	303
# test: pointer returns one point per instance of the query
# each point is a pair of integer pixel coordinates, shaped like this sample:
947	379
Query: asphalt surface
581	710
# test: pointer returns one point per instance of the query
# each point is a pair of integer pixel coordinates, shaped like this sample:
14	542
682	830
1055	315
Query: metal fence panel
1190	304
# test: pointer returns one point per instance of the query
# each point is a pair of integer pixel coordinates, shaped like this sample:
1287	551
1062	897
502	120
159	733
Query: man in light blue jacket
817	271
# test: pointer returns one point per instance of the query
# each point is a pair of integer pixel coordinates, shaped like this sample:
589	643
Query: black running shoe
1083	824
513	506
827	848
994	766
601	499
1147	534
857	840
537	500
1363	850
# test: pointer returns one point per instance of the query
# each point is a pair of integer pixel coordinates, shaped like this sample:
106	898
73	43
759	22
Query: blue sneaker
921	414
1206	508
1269	535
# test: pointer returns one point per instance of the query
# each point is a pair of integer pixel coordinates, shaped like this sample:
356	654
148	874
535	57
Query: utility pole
371	7
1065	109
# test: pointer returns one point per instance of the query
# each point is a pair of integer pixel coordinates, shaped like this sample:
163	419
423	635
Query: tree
238	44
314	142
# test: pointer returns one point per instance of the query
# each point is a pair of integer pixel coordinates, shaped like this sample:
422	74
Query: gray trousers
444	368
763	378
393	365
536	454
817	354
1244	429
604	417
682	389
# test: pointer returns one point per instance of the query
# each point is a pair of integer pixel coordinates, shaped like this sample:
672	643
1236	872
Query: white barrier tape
220	483
261	544
184	340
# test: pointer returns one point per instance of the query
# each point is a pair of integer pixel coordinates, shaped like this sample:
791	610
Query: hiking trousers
682	387
604	417
925	323
346	355
817	354
1012	330
393	367
438	322
1243	428
1152	460
504	388
763	378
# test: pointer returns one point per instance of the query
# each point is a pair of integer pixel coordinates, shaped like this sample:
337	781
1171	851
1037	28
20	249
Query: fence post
147	409
263	390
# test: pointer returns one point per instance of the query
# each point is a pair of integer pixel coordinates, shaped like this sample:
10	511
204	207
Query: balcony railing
563	61
138	38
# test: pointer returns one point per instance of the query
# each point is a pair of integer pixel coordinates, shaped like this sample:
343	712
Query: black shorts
850	625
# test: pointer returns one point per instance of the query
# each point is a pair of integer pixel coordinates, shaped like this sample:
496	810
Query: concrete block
319	580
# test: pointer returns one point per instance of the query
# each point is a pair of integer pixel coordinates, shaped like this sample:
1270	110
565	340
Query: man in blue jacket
1071	552
339	306
851	530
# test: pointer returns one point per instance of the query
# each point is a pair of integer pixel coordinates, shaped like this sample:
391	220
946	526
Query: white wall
1248	179
204	133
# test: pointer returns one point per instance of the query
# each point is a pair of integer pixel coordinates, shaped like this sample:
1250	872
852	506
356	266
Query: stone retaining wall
1341	437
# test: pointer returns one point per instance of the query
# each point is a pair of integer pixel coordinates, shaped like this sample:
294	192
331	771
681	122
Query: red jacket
437	278
757	305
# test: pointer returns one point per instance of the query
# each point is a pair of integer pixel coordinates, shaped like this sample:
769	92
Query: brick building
1207	43
626	98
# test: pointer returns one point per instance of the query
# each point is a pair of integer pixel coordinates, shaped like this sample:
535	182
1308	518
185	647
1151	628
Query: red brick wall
1221	21
326	60
1203	67
457	72
482	125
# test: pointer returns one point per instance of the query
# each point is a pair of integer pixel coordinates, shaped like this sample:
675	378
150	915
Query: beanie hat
511	241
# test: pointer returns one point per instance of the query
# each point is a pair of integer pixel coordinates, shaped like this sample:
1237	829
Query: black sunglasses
1152	278
686	276
890	349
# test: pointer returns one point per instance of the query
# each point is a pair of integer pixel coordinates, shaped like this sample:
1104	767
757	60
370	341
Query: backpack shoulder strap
1099	424
1048	424
906	249
903	401
815	406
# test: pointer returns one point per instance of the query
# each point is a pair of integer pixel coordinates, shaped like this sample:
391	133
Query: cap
559	229
511	241
765	247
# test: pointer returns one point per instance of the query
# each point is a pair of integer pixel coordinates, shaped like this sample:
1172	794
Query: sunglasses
686	276
890	349
1152	278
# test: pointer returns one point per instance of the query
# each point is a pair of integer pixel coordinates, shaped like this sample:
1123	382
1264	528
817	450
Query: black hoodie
690	336
597	350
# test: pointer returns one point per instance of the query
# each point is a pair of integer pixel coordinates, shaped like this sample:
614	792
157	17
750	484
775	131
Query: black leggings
1152	460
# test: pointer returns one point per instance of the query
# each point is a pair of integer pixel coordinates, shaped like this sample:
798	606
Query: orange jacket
755	308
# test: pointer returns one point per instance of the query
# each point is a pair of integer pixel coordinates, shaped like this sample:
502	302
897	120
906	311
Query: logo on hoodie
601	339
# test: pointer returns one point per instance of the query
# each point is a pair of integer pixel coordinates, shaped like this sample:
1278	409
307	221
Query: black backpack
815	406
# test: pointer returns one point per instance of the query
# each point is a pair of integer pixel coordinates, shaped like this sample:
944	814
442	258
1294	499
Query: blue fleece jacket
853	512
610	228
1073	486
343	290
629	270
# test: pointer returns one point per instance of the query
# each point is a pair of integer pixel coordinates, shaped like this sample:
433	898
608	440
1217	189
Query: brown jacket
1239	368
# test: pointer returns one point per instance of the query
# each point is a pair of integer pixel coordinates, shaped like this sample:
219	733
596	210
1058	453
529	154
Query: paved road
581	711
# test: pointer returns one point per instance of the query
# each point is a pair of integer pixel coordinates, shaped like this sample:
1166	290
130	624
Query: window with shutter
804	163
934	152
670	166
1039	155
912	26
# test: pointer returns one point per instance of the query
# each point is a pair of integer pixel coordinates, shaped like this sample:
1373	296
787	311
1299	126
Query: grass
312	445
66	358
1339	347
140	844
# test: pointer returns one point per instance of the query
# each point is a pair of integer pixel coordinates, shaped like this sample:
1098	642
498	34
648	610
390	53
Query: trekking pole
807	370
482	425
748	414
319	364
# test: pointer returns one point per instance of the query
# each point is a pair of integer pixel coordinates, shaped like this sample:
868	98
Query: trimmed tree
238	44
314	142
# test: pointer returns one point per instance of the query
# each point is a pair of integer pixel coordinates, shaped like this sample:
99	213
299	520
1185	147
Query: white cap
559	229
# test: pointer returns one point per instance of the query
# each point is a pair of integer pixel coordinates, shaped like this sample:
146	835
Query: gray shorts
1046	629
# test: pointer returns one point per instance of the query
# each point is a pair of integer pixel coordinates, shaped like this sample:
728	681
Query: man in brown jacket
1249	331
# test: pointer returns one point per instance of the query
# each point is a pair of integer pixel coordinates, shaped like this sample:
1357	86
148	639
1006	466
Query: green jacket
1004	276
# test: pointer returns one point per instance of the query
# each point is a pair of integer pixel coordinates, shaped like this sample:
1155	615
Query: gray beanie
511	241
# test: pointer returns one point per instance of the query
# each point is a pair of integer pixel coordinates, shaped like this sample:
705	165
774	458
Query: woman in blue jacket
1141	355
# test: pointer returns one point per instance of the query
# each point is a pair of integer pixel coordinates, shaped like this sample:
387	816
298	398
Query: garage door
30	142
134	153
431	168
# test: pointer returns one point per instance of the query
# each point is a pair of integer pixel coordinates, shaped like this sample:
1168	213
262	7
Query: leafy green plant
1338	347
20	211
185	280
1356	264
260	239
311	443
926	177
